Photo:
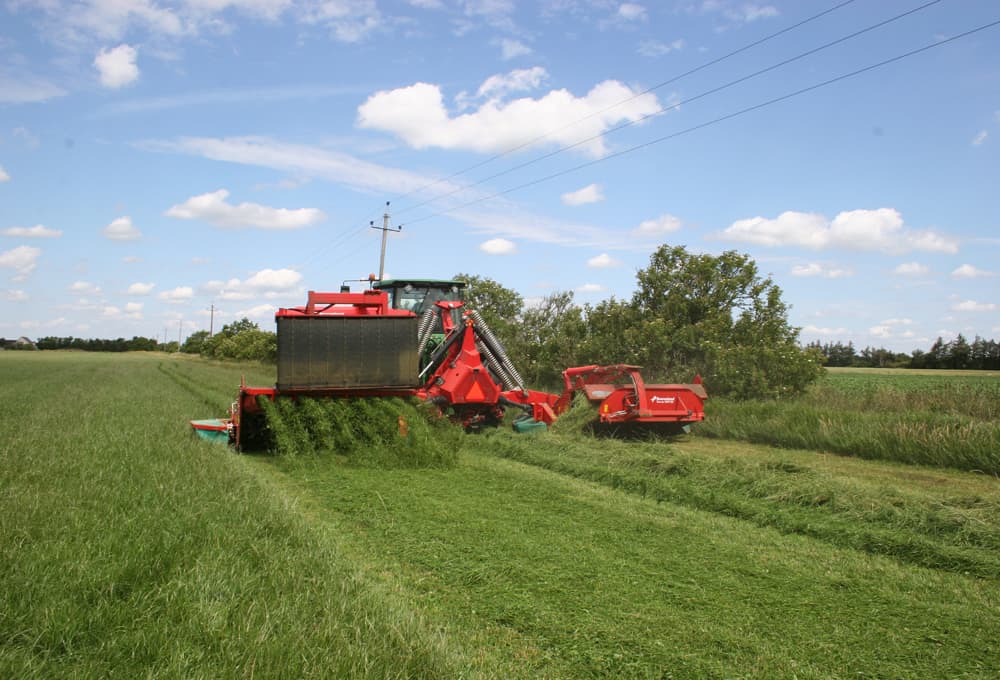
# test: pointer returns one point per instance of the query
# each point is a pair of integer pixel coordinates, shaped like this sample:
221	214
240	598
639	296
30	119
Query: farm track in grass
130	548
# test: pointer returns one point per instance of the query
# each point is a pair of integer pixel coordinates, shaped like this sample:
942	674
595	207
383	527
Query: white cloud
84	288
498	217
274	279
519	80
603	261
122	229
818	330
37	231
15	295
744	12
898	322
511	49
426	4
140	288
4	177
589	194
973	306
664	224
117	66
655	48
307	160
817	269
177	295
417	115
881	331
263	312
26	89
877	230
212	208
267	283
967	271
980	138
498	246
589	288
911	269
133	310
630	11
22	260
131	259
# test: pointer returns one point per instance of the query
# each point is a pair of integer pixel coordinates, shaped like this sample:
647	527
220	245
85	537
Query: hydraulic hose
499	352
491	363
424	330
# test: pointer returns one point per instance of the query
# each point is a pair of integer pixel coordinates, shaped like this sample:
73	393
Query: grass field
129	548
941	418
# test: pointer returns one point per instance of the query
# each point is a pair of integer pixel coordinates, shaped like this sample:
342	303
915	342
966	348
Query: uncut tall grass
945	421
129	548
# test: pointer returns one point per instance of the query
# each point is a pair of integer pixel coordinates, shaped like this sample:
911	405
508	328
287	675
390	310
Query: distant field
129	548
942	418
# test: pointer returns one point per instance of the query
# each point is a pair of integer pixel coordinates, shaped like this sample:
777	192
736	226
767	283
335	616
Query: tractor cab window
418	297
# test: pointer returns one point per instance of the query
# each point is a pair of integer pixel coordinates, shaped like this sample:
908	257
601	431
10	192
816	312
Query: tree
716	316
499	306
549	341
195	342
242	340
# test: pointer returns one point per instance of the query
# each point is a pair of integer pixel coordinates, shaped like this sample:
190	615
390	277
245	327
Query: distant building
21	343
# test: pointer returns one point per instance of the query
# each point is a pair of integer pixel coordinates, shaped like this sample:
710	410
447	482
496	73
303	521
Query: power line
715	121
343	238
670	81
689	100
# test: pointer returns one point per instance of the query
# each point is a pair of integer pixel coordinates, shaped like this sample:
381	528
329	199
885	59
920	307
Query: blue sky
158	158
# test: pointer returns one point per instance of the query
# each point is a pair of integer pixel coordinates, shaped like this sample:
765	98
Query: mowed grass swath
935	418
131	548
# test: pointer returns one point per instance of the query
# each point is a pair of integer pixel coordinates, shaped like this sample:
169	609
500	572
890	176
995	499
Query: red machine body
624	400
344	345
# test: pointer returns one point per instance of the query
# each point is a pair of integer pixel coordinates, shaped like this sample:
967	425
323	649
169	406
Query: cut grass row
949	527
129	548
554	576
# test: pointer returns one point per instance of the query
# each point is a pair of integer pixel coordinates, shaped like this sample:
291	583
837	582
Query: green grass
130	548
941	419
383	433
554	576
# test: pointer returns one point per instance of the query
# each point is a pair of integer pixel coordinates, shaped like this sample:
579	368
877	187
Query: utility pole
211	320
180	328
385	234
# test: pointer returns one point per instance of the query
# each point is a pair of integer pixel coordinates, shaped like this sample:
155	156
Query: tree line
136	344
980	354
691	314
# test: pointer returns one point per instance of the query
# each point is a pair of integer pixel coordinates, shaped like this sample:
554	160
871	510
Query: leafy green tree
242	340
716	316
550	339
499	306
194	342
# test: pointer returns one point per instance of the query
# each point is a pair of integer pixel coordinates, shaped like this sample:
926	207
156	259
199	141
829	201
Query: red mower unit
416	339
627	405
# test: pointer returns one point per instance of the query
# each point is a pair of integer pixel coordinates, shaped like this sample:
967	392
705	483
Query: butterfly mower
415	339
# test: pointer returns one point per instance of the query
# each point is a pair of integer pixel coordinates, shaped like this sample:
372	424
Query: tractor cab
419	295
